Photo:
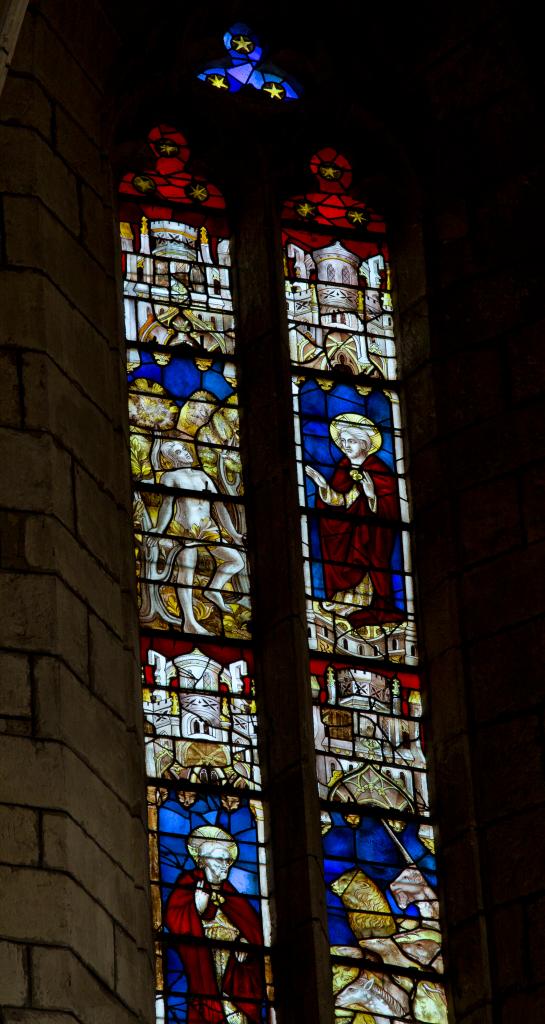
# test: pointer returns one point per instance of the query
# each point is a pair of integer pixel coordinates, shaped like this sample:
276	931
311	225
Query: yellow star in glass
276	92
329	172
242	44
143	183
306	209
357	216
167	148
198	192
218	81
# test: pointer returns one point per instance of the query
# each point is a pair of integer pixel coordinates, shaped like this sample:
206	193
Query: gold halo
204	834
353	420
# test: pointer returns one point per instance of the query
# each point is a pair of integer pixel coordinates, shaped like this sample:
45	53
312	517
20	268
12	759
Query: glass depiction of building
210	863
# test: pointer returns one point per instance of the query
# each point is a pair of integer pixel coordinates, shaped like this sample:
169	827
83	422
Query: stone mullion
301	958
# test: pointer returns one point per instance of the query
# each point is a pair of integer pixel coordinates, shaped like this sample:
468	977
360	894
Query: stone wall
74	911
476	390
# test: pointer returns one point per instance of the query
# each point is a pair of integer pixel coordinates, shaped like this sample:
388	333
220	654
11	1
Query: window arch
414	999
209	874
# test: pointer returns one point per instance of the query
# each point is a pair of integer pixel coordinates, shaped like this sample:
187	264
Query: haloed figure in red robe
357	547
225	985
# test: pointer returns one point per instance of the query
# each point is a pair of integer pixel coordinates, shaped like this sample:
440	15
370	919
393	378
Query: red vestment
353	547
242	982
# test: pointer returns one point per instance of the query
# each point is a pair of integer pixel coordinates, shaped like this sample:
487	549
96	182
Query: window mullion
302	961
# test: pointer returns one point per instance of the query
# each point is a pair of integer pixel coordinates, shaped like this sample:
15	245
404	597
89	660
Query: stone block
16	726
470	975
465	76
484	1014
38	317
25	103
15	691
414	337
533	501
60	980
508	946
81	152
51	776
471	388
435	554
427	472
66	711
36	239
19	840
33	169
501	593
99	229
67	847
454	789
38	1017
49	547
506	671
439	611
477	310
304	897
10	409
489	519
36	475
100	522
526	1006
502	210
497	446
514	851
509	766
408	259
55	404
451	220
454	260
13	976
518	146
460	875
90	34
533	938
444	695
78	921
134	975
45	616
526	365
40	51
114	672
12	545
420	394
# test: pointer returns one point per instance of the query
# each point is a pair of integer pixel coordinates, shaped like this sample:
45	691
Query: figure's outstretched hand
317	477
201	898
369	488
240	955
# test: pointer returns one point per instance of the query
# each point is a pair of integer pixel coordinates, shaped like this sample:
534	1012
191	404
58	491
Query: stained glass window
378	843
207	817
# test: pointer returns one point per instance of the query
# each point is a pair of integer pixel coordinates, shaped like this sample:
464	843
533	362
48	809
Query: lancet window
378	842
207	824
